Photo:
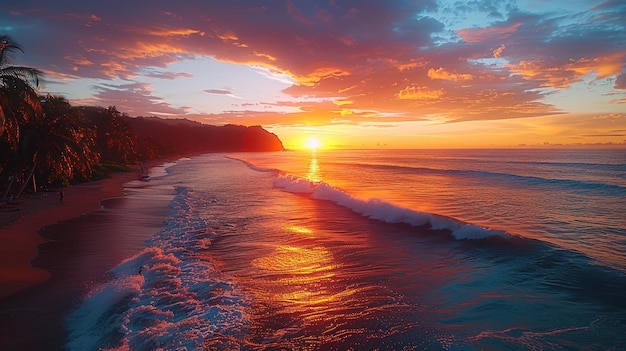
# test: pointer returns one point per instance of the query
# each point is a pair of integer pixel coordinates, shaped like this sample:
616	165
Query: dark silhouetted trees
45	140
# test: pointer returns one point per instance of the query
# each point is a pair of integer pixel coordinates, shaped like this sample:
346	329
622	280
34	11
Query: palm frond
31	75
8	49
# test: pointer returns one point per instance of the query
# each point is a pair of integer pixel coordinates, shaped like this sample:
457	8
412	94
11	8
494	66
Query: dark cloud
620	82
136	99
218	92
168	75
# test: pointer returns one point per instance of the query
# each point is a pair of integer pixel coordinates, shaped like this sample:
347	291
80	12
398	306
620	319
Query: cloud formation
218	92
386	58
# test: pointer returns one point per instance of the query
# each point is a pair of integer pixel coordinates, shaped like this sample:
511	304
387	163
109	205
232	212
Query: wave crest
166	288
384	211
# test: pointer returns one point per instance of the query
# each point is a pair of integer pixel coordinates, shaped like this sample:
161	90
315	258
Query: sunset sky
433	73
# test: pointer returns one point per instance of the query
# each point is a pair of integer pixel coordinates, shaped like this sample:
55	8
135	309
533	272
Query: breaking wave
166	288
384	211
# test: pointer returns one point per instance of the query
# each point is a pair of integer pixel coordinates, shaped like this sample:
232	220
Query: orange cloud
443	74
552	75
406	65
419	93
336	59
498	52
476	35
319	74
267	56
228	36
604	66
342	102
112	69
79	60
144	49
612	116
168	32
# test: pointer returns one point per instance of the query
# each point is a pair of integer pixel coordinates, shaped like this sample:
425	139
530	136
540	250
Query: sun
312	143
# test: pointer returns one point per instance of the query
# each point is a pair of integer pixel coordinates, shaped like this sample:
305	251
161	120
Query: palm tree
61	146
19	101
115	138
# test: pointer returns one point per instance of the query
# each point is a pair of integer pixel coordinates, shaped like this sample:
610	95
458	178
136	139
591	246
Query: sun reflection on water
314	172
299	271
299	230
299	275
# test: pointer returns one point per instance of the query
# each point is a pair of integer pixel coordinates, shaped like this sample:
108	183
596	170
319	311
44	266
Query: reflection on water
299	229
316	282
300	274
242	266
314	174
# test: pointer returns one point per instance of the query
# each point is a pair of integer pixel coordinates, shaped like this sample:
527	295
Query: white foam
384	211
254	167
160	171
88	327
165	297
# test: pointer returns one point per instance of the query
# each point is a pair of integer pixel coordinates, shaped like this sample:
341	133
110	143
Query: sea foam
165	297
384	211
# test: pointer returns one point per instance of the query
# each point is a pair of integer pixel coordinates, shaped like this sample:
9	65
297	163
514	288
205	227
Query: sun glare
312	143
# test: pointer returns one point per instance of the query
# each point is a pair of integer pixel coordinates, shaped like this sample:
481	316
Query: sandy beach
53	252
18	230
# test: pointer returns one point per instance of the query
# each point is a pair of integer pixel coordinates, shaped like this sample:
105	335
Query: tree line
45	141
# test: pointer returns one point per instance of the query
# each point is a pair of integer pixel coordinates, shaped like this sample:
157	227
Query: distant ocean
371	250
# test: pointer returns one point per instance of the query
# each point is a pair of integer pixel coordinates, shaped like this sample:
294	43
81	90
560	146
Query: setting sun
313	174
312	143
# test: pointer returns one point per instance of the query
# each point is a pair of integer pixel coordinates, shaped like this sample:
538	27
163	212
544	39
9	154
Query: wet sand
18	230
56	252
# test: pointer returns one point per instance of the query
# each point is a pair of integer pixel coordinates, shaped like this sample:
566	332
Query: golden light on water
301	274
303	277
313	173
301	264
299	230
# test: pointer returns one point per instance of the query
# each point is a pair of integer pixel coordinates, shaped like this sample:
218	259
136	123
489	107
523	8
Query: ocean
365	250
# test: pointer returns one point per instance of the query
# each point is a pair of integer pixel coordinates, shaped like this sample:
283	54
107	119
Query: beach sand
98	225
18	230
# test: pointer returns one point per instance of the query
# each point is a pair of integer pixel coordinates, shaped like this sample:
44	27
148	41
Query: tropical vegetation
47	142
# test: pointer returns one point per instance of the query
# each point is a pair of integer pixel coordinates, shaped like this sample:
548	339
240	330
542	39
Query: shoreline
56	253
19	230
20	235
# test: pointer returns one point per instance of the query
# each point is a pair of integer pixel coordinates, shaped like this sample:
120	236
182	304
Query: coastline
55	253
19	230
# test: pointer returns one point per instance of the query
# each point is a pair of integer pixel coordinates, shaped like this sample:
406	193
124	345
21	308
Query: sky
395	74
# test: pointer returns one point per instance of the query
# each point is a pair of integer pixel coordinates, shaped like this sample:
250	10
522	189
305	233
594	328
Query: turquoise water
364	250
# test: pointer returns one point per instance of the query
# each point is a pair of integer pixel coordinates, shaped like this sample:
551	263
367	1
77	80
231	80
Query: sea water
375	249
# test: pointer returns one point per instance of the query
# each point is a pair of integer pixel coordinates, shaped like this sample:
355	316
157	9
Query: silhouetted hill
181	136
62	144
